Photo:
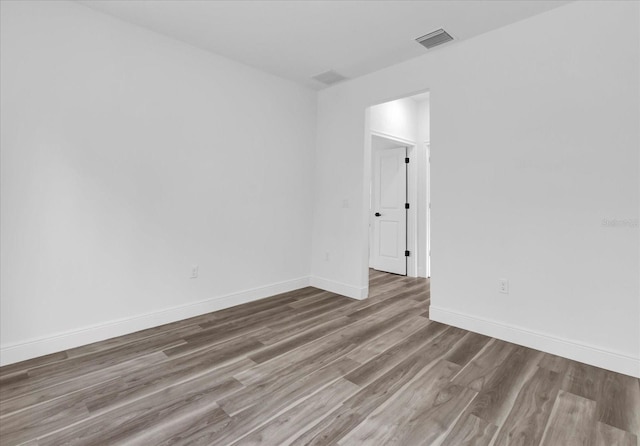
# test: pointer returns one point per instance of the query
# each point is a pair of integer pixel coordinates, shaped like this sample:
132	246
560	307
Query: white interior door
389	225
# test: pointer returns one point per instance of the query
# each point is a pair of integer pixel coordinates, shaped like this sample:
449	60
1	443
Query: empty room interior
320	222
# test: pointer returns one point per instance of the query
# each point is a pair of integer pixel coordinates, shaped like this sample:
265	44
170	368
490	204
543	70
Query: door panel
389	190
388	239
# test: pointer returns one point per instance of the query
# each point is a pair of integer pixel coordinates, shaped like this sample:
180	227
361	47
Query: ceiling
300	39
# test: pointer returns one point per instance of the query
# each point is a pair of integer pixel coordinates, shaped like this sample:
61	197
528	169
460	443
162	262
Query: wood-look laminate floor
313	368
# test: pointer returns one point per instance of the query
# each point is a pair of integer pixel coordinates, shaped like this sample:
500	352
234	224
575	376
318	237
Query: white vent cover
435	38
329	77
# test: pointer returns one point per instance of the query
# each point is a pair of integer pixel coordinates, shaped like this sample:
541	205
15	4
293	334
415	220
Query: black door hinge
406	160
406	253
406	205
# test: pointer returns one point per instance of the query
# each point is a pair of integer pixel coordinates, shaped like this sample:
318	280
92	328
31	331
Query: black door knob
377	214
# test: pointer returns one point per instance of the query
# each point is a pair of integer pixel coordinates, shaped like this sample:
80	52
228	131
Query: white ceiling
300	39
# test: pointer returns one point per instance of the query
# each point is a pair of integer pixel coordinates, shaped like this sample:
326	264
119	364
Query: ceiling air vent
329	77
434	39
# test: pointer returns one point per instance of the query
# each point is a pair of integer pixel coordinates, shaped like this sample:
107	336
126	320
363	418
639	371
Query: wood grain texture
282	428
418	413
470	430
467	349
610	436
487	362
366	351
619	402
554	363
531	409
145	414
309	367
395	355
572	421
84	384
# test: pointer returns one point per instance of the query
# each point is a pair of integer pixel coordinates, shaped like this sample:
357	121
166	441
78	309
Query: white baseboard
11	353
339	288
577	351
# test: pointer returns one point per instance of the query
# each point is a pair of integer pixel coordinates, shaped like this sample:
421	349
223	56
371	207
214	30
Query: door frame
412	197
427	210
365	184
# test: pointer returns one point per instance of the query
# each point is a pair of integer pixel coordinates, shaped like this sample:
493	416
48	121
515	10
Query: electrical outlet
194	271
503	286
345	203
326	256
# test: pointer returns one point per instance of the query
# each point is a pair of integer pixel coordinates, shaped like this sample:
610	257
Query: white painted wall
535	140
126	158
397	119
424	119
424	134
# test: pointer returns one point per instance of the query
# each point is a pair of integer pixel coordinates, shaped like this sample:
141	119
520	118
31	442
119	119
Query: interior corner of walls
570	349
57	342
339	288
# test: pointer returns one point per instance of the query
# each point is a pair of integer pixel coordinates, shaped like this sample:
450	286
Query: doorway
399	199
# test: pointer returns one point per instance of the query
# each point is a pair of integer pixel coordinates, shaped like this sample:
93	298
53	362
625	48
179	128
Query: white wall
126	158
424	119
424	135
398	119
534	141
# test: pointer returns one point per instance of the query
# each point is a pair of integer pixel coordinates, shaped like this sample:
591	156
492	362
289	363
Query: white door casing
428	209
389	195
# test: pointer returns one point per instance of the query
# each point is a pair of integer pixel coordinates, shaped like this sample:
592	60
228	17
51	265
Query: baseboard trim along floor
562	347
33	348
339	288
75	338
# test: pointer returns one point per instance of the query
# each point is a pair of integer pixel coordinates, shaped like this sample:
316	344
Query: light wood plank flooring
313	368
